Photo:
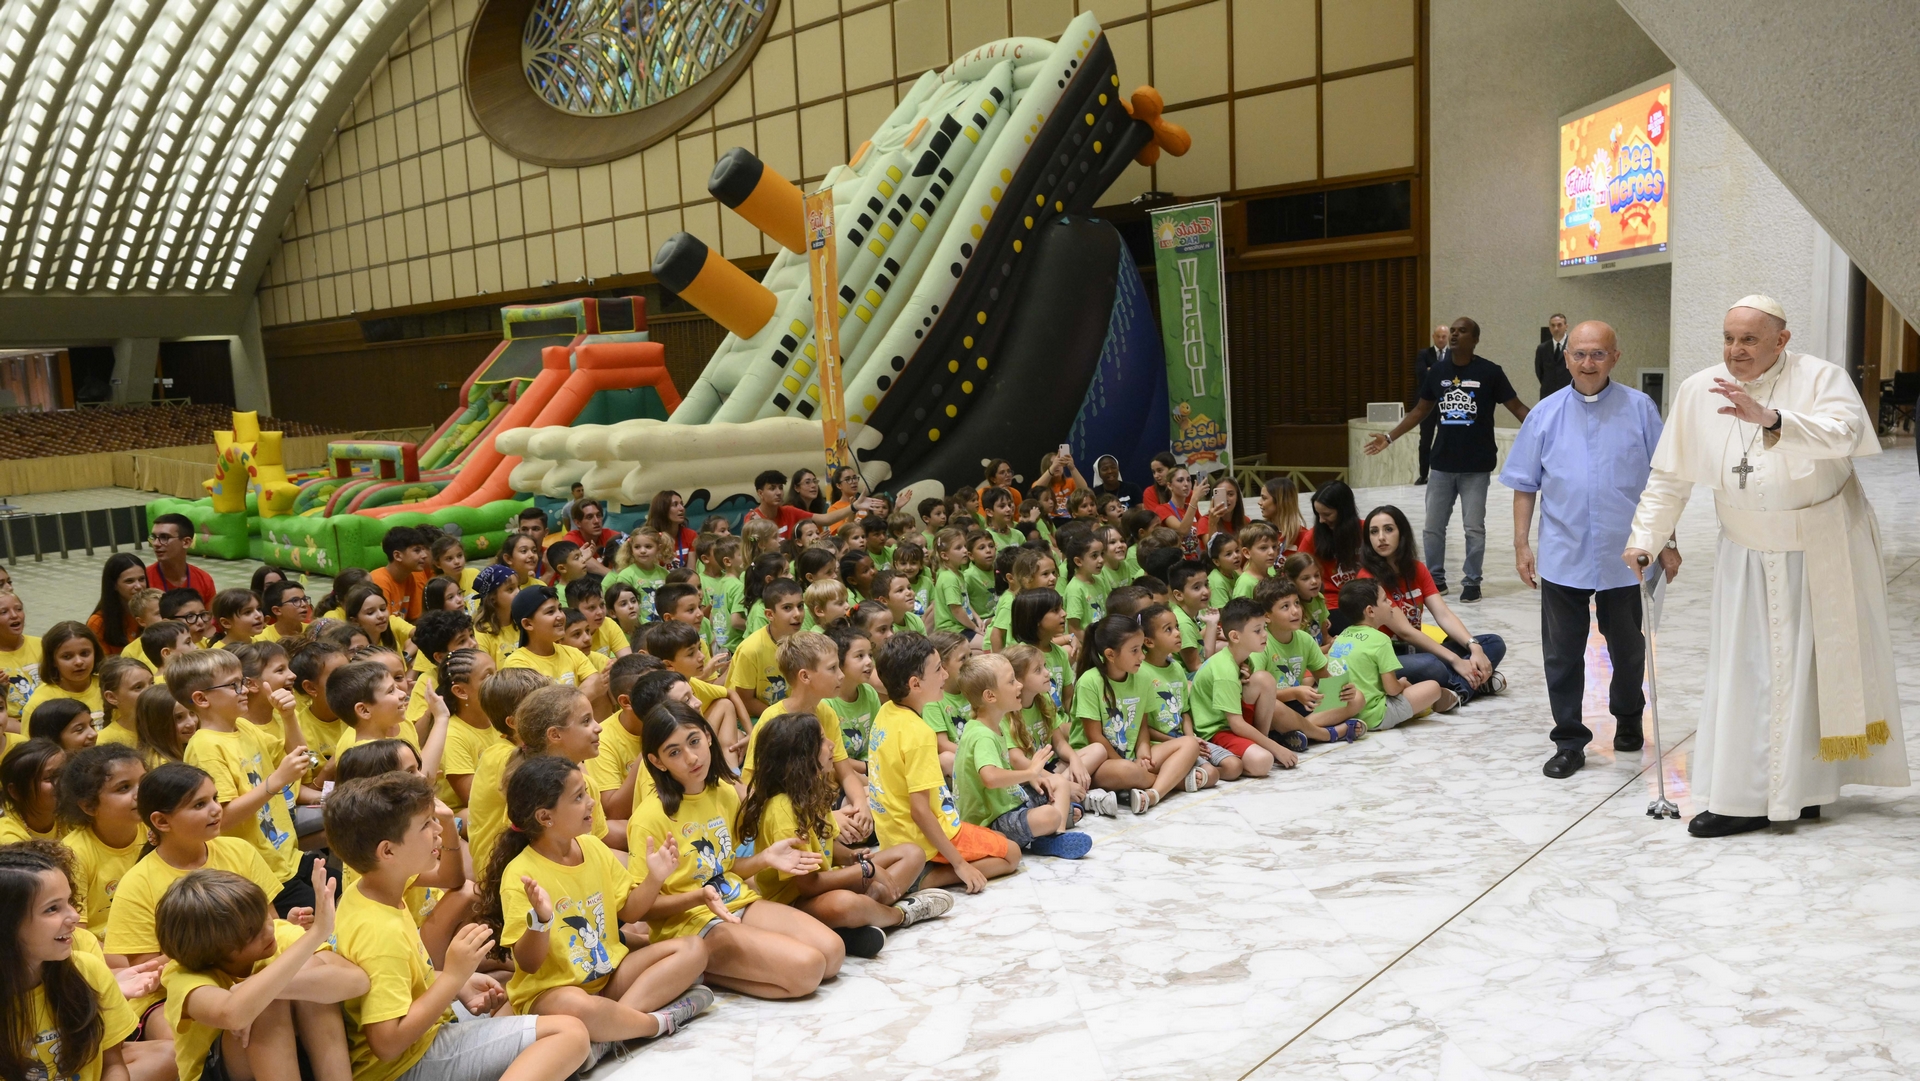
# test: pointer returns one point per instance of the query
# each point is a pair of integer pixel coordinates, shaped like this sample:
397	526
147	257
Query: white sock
667	1026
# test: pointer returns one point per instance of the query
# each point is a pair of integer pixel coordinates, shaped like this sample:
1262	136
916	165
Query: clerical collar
1595	396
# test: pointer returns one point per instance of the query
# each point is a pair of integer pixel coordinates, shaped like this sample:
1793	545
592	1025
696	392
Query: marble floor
1424	904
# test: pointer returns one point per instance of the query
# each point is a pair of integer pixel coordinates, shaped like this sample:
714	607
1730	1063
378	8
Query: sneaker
1469	592
1293	741
1066	846
1141	799
1440	588
687	1007
597	1051
1102	802
1195	779
927	904
862	941
1495	683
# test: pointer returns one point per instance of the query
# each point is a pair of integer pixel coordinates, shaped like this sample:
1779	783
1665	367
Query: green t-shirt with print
1119	716
756	619
856	720
1291	661
910	622
1359	656
1084	601
1011	538
1168	683
980	746
948	715
1191	634
949	590
1219	589
645	582
979	589
1317	619
722	595
922	592
1244	585
1216	693
1003	613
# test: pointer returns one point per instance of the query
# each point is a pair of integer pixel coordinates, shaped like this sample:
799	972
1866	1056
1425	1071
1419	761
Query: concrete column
249	359
134	362
1738	230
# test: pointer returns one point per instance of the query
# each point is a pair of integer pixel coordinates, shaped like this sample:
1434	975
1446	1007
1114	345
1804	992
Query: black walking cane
1653	594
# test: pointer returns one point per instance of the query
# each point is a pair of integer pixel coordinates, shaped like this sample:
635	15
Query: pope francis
1800	695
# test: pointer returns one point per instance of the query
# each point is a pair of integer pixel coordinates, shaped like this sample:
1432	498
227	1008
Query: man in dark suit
1422	364
1550	358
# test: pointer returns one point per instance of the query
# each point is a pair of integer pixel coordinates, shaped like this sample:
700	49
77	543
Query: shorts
1013	826
214	1066
1398	710
477	1050
297	892
1214	754
978	843
1234	745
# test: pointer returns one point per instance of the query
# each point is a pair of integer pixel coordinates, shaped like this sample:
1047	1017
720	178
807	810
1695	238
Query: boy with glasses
186	606
210	683
288	608
171	537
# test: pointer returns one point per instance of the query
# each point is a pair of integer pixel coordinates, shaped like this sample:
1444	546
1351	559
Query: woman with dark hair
1335	541
1159	493
667	515
803	491
846	490
112	619
998	473
264	577
1227	511
1465	663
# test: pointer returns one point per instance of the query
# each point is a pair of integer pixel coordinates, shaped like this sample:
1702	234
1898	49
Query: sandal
1351	730
1144	798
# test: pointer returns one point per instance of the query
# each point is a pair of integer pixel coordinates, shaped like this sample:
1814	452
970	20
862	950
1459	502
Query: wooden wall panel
365	386
1315	344
690	341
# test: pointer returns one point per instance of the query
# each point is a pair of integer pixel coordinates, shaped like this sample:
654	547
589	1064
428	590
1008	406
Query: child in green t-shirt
1363	656
1259	545
1169	720
1296	664
1226	684
978	577
858	699
1303	570
1111	699
952	608
1029	804
1199	626
1084	595
949	713
721	590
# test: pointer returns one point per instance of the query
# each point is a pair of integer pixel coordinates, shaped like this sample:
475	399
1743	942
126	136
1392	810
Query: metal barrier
1252	473
40	535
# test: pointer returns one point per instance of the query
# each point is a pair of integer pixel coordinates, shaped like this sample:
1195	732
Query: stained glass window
603	57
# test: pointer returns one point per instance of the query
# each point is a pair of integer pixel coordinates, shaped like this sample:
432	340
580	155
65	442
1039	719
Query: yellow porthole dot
980	363
967	341
933	435
1115	79
952	412
953	365
1029	221
1096	146
869	402
1103	99
1006	176
1089	119
966	387
1058	205
976	232
856	418
980	317
997	194
1039	200
1016	246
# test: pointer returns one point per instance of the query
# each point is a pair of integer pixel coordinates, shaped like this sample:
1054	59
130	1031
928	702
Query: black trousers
1564	623
1427	427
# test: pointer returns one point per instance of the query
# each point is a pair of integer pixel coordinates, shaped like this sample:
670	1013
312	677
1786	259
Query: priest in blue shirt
1584	454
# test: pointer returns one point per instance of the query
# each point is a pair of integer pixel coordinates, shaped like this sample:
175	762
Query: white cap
1763	303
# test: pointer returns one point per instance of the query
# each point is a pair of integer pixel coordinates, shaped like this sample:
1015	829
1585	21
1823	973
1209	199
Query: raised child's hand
662	861
284	703
137	981
300	917
469	947
787	857
538	898
291	768
1040	759
482	994
321	922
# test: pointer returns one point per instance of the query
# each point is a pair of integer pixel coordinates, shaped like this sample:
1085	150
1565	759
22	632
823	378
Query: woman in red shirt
112	619
1335	542
1465	663
667	515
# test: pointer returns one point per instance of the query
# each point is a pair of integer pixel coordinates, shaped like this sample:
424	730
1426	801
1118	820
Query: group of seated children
561	811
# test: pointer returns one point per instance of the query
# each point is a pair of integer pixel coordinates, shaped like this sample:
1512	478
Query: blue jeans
1471	489
1416	667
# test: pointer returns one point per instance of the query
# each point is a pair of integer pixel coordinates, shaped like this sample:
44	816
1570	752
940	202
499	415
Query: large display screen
1616	194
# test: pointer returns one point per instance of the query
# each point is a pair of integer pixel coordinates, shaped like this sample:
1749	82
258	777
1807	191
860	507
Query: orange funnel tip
763	197
718	288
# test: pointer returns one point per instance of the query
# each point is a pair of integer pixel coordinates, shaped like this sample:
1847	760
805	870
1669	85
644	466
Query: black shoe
1422	480
1564	763
1470	592
1627	736
1440	588
1708	824
862	941
1809	814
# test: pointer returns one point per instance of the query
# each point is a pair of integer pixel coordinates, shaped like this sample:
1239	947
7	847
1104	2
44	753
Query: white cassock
1800	693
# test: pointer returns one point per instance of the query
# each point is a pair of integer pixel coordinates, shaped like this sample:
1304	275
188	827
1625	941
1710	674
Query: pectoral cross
1742	470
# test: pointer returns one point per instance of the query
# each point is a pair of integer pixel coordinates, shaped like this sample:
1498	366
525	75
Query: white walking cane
1653	594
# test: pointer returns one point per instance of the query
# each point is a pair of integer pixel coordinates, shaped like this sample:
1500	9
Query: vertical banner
822	265
1189	265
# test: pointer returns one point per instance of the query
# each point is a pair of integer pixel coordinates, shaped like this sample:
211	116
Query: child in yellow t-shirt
783	953
46	948
385	828
99	790
121	681
272	714
441	900
616	772
810	664
313	662
70	659
607	639
235	969
164	726
500	696
437	634
366	695
755	669
469	733
209	681
19	657
559	720
679	648
905	788
28	809
557	896
857	893
543	624
579	635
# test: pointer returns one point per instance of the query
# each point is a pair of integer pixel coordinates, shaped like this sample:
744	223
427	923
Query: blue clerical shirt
1589	459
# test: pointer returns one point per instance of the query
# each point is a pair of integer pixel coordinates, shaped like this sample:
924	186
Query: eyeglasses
194	617
1595	355
237	686
163	538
